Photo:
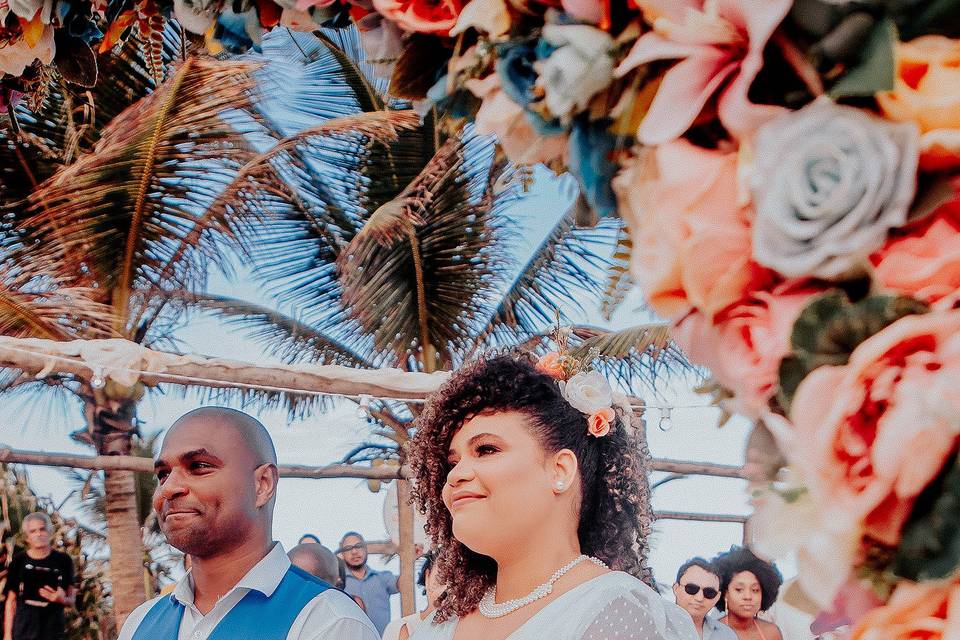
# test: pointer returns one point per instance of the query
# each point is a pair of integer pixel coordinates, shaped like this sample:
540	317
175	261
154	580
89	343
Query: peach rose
743	349
690	228
422	16
600	421
926	91
551	364
857	428
923	260
916	611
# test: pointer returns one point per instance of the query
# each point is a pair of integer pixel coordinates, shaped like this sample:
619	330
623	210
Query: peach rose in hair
600	421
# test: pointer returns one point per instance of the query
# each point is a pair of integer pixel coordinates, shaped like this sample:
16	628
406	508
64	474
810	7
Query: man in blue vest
217	474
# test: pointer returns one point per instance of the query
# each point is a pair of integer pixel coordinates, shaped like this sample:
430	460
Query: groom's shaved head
247	429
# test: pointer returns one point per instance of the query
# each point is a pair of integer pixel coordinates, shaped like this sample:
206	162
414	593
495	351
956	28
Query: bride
531	480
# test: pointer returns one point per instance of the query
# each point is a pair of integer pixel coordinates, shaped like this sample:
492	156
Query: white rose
588	392
829	183
196	16
580	67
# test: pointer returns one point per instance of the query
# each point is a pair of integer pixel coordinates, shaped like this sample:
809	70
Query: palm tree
103	194
390	247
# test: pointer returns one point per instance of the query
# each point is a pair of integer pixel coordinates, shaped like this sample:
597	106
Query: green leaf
876	69
831	327
930	547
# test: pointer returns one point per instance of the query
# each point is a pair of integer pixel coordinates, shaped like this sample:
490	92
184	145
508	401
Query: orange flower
916	611
600	421
926	91
552	365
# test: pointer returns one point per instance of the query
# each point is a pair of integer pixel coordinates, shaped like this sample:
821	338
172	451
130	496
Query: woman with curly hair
537	500
748	586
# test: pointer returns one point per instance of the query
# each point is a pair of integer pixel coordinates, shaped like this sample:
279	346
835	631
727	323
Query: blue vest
255	617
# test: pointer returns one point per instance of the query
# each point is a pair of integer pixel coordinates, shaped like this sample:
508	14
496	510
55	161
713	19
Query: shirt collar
265	577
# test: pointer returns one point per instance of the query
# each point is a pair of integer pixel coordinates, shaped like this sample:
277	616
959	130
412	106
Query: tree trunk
408	554
126	543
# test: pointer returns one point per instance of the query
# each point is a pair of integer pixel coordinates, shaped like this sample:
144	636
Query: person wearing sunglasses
697	591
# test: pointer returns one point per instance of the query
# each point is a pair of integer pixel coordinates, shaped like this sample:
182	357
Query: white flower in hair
588	392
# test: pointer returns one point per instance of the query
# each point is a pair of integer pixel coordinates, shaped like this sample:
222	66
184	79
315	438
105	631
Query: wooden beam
136	463
700	517
127	362
686	467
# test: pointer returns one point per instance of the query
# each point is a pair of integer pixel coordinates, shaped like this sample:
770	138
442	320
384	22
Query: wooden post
408	552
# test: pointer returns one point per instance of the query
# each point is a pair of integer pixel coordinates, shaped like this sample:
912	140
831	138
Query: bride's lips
462	498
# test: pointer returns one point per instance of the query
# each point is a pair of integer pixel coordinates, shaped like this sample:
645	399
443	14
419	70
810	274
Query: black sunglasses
708	592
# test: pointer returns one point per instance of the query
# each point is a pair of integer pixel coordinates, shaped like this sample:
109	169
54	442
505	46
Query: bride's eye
486	449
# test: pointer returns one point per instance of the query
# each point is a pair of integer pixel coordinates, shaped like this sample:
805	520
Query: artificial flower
857	428
915	611
744	345
926	91
9	98
587	392
382	43
829	182
591	11
690	229
719	45
922	260
578	68
16	57
591	160
486	16
27	9
196	16
421	16
501	116
238	28
552	365
599	422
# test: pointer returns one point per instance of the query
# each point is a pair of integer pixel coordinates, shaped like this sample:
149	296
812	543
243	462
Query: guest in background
432	588
308	538
749	585
318	561
40	585
697	591
374	588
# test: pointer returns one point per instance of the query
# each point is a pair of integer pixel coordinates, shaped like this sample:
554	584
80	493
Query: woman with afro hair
748	585
538	520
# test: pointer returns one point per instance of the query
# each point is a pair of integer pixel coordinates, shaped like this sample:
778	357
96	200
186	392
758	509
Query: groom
217	474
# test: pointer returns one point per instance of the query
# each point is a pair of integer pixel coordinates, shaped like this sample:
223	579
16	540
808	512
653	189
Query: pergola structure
128	363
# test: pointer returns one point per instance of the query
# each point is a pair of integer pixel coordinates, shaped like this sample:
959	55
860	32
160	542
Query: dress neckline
561	598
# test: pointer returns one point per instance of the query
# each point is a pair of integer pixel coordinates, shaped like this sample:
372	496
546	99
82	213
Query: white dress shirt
332	615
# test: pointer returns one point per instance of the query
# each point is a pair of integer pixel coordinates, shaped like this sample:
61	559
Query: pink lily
719	45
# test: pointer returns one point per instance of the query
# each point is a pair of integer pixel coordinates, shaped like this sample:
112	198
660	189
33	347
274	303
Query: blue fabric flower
591	151
515	68
238	29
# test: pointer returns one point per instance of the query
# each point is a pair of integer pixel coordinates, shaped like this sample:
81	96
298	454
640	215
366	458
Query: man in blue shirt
374	588
217	482
697	591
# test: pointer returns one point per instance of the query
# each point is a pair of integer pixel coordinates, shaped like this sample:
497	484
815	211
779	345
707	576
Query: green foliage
830	328
876	68
930	546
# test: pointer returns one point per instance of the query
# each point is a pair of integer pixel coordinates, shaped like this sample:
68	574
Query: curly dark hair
740	559
615	514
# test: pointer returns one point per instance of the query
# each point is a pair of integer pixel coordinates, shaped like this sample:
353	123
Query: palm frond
619	283
286	337
418	274
643	353
562	272
122	212
34	303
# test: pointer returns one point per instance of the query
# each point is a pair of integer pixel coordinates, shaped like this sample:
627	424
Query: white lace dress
612	606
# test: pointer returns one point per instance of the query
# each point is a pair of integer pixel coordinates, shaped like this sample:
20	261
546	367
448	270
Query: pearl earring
559	486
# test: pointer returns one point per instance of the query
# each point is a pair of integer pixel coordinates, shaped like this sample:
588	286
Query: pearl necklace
489	608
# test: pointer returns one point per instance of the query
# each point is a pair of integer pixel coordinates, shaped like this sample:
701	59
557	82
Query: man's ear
265	478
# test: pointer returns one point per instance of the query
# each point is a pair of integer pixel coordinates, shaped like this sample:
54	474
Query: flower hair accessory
586	390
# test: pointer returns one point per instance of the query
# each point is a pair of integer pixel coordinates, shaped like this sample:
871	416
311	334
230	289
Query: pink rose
743	349
599	422
923	260
858	428
690	229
